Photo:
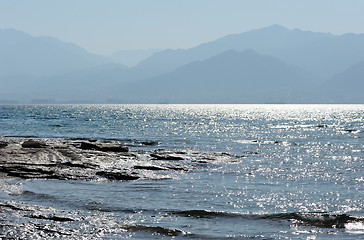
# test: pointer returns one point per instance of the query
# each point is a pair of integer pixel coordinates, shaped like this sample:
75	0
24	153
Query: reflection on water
300	175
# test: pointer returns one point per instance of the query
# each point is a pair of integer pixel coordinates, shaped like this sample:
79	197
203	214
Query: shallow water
300	175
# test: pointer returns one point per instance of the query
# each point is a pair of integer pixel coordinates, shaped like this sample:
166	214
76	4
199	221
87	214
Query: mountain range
268	65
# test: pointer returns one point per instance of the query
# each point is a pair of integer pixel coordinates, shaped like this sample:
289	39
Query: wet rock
114	148
3	144
350	130
153	168
65	159
52	218
321	126
10	206
116	176
76	164
27	171
103	147
173	157
89	146
149	143
33	144
68	154
178	169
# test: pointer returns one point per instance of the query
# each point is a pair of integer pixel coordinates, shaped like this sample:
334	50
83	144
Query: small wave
35	195
205	214
11	187
323	220
355	227
155	230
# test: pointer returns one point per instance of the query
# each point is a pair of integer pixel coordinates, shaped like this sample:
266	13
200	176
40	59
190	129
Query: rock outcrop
80	159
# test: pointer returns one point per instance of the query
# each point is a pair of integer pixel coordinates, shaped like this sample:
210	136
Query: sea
300	174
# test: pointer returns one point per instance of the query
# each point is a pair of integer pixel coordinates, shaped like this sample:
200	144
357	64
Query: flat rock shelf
81	159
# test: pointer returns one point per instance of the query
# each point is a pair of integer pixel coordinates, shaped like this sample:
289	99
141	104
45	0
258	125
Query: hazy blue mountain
347	86
233	77
131	58
274	40
12	36
327	56
86	85
18	88
322	54
284	66
41	56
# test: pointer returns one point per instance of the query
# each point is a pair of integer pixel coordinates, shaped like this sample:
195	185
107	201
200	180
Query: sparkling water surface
300	165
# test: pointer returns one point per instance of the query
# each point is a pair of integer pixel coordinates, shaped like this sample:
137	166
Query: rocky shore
81	159
85	160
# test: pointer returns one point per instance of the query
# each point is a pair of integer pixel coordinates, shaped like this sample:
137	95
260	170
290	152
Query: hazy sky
106	26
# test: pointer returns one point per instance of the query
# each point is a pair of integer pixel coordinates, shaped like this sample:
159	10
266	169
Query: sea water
300	175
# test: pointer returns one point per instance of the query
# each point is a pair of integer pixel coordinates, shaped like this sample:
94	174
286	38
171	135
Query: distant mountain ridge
41	56
131	58
268	65
274	40
228	77
347	86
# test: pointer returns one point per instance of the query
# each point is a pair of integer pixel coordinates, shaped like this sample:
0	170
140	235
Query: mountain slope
231	76
271	40
347	86
328	56
86	85
41	56
131	58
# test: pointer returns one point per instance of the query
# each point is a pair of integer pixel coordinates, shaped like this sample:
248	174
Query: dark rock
88	146
321	126
69	154
104	148
9	206
178	169
174	157
3	144
180	152
76	164
154	168
116	176
350	130
69	160
114	148
53	218
149	143
28	171
33	144
166	157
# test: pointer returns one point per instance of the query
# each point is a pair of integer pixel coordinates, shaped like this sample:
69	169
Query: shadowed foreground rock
74	159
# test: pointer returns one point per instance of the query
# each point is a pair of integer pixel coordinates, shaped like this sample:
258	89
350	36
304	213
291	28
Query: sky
104	27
